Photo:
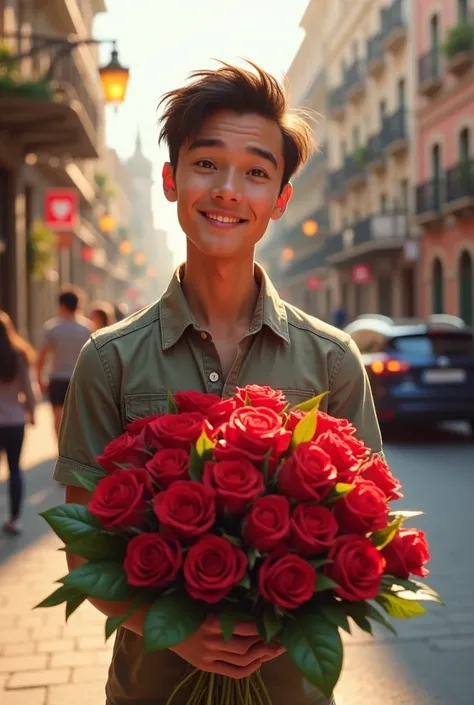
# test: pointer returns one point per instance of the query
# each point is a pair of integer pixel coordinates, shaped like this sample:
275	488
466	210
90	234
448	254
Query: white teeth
222	218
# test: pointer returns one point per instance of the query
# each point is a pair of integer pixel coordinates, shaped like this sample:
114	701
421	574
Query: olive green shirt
125	371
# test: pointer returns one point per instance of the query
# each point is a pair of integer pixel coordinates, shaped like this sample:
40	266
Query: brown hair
233	88
71	298
104	311
12	347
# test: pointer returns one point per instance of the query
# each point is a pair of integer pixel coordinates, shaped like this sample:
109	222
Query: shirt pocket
137	406
296	396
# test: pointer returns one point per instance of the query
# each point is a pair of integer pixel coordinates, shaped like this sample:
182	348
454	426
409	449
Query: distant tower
141	177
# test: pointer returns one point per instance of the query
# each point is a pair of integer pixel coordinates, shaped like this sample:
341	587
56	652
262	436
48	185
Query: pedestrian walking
220	324
102	314
17	407
64	337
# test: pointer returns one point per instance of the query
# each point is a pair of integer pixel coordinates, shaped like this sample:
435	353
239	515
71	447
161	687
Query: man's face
227	183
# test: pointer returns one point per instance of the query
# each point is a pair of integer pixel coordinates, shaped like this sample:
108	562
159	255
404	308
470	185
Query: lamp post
113	76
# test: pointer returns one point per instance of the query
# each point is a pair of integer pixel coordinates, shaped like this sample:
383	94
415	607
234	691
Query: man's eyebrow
218	142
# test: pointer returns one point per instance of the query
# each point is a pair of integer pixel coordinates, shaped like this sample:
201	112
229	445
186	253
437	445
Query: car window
435	345
369	341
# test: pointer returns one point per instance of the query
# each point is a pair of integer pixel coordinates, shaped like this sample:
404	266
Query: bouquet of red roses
251	510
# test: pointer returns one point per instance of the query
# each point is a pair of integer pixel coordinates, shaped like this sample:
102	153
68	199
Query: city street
45	662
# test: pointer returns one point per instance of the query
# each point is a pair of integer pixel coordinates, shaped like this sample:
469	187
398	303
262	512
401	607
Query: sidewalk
43	661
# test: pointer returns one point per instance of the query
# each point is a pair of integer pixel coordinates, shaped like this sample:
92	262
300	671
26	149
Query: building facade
51	136
445	155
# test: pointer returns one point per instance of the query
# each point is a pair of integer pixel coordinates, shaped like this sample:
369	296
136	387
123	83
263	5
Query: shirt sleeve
91	418
351	398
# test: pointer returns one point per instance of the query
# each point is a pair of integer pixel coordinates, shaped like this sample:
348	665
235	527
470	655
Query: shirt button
204	336
213	376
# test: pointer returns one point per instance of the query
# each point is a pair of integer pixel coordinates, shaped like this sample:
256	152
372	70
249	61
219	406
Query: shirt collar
176	316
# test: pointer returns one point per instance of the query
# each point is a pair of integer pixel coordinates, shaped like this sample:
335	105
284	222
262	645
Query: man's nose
228	188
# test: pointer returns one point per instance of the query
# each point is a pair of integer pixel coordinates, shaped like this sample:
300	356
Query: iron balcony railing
374	148
375	50
354	167
395	127
337	98
429	66
460	181
394	17
336	181
429	196
355	74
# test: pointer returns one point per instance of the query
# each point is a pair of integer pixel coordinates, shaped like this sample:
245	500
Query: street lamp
114	77
310	228
106	223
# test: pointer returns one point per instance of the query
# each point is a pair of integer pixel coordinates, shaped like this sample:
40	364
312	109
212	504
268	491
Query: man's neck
221	294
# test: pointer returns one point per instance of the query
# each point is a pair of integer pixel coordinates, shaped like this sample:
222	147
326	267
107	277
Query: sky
161	41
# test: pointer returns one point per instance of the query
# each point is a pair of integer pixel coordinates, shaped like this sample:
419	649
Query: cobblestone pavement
45	662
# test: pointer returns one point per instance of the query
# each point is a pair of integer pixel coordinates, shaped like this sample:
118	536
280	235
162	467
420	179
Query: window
436	162
383	203
343	148
383	111
355	137
437	286
404	194
463	11
401	93
434	33
464	145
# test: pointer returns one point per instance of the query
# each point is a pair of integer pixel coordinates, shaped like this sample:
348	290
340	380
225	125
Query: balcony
355	80
375	55
459	48
395	132
459	194
394	25
355	171
313	167
337	184
430	76
381	231
336	102
375	155
306	265
429	200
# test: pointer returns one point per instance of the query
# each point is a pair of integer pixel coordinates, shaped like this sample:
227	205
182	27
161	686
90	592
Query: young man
64	337
221	323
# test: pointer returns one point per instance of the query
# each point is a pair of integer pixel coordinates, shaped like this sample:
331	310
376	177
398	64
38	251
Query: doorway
466	288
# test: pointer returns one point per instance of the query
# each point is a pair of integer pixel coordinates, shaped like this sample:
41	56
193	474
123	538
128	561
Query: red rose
190	401
286	581
186	509
407	554
377	471
341	455
308	474
357	567
127	449
364	509
169	465
120	499
313	529
219	414
136	427
175	430
235	483
326	422
293	419
268	523
212	567
357	446
152	560
255	431
262	396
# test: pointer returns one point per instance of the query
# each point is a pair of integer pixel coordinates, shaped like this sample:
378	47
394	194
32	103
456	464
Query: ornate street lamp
114	78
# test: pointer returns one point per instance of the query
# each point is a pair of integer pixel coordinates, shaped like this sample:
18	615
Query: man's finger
226	669
235	645
246	629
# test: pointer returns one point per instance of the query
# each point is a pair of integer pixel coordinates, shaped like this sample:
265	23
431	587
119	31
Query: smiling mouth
222	220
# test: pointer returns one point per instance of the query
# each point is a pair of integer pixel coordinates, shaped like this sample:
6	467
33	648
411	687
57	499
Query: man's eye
205	164
259	173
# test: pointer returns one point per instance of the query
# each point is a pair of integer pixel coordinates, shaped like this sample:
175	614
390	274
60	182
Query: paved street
45	662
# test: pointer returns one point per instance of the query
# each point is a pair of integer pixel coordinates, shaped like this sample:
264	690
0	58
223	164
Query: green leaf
172	408
318	563
98	548
252	557
265	465
73	604
339	490
404	514
358	612
245	582
105	580
418	590
171	620
204	444
113	623
89	482
247	401
399	608
227	621
272	624
375	616
195	465
335	613
72	522
314	645
324	583
310	404
234	540
382	538
62	594
306	427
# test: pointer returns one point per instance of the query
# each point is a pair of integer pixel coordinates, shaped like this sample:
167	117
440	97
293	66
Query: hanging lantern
287	254
139	259
310	228
125	247
106	223
114	78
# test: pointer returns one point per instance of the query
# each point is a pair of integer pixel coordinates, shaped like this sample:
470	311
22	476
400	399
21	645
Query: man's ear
169	185
282	202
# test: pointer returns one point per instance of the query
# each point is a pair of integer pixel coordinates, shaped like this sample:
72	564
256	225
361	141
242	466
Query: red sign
87	254
361	274
313	282
65	240
61	207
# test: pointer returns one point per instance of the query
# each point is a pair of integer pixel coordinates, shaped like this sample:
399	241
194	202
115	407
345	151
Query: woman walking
17	405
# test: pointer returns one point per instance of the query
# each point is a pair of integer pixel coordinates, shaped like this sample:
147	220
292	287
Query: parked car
418	370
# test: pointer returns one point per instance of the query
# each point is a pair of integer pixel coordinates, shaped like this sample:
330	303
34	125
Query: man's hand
237	658
43	385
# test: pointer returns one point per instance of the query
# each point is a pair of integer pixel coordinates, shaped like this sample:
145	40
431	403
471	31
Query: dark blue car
418	370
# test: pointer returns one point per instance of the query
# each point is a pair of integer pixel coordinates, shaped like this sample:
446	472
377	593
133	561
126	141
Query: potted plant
41	249
360	155
459	47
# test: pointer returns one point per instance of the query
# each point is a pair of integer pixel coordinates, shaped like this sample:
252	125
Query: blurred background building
382	216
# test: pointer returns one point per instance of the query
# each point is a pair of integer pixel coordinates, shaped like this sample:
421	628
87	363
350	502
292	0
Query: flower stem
184	681
210	689
263	687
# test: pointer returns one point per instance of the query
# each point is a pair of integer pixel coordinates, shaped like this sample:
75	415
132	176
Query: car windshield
449	344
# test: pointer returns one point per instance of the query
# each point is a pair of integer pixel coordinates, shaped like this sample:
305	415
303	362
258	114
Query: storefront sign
61	207
313	282
361	274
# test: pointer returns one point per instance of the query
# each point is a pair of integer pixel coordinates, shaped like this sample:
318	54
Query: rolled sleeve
351	398
91	418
